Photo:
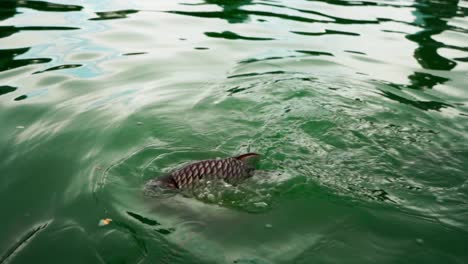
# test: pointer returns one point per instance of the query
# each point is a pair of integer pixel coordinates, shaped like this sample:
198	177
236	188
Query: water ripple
9	62
232	35
359	109
4	89
327	32
22	242
113	14
61	67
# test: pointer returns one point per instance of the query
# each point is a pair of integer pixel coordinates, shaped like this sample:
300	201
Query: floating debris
104	222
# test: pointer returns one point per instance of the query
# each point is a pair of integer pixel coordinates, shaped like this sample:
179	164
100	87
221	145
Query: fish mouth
161	184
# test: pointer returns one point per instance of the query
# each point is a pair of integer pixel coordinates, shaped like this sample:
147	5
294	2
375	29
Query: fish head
159	188
164	182
250	159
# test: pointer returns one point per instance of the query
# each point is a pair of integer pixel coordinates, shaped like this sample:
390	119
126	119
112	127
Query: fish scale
229	169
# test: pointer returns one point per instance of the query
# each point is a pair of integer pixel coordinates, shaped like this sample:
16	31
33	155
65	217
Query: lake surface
359	108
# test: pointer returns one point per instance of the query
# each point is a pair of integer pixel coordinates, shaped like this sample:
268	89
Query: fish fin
247	155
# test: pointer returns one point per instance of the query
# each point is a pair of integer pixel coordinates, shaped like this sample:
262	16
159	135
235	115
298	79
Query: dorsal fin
246	155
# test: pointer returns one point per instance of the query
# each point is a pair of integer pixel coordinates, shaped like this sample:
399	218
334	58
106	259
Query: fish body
232	169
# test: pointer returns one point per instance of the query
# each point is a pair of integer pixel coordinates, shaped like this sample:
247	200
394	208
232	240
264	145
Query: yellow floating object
105	221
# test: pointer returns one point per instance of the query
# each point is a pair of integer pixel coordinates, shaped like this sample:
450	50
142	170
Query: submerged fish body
231	169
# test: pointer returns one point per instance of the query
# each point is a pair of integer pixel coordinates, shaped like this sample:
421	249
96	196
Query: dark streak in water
432	18
420	80
423	105
192	4
4	89
335	19
307	52
235	15
164	231
19	63
314	53
22	242
355	52
327	32
201	48
339	20
394	31
143	220
265	59
114	14
6	31
240	12
20	98
465	59
255	74
7	61
41	6
238	89
61	67
232	35
362	3
134	53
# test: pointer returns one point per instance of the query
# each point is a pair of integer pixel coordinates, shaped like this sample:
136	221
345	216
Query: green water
360	109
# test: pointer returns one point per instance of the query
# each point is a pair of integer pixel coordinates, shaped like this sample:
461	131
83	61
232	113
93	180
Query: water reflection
233	13
6	31
232	36
421	80
114	14
4	89
349	3
423	105
9	9
41	6
8	61
60	67
231	10
432	17
21	97
326	32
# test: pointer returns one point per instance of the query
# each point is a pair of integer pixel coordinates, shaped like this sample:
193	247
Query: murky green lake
359	108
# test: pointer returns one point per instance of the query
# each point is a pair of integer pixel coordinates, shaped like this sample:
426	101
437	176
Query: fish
231	170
